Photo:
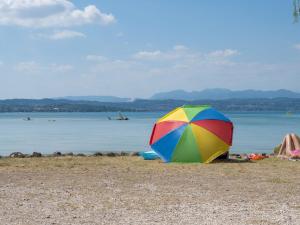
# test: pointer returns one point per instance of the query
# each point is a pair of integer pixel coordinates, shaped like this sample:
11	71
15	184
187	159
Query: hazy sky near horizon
135	48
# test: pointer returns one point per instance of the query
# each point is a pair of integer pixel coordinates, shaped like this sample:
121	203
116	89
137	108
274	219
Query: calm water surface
90	132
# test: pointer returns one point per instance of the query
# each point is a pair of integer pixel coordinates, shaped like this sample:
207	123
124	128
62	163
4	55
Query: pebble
111	154
17	155
69	154
57	154
134	154
36	154
98	154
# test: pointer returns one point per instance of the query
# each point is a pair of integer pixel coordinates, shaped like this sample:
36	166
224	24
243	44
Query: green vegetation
238	105
276	149
296	13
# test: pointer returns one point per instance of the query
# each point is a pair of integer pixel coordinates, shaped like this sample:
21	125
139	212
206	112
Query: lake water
91	132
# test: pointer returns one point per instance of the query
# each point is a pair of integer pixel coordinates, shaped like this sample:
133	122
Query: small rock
111	154
57	154
69	154
124	153
36	154
17	155
244	156
98	154
134	154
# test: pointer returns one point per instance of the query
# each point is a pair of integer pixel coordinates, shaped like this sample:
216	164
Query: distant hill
96	98
60	105
233	105
221	94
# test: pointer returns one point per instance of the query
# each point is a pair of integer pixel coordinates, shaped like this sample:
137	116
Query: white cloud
61	68
59	35
224	53
50	13
178	57
182	53
28	67
297	46
96	58
148	55
180	48
113	67
66	34
120	34
189	69
152	71
1	63
177	52
33	67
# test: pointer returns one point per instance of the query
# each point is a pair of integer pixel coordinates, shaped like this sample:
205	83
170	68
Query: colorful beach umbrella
192	134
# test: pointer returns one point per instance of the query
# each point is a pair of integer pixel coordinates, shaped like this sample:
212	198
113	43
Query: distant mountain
96	98
221	94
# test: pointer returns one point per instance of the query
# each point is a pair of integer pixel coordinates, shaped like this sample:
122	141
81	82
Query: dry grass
129	190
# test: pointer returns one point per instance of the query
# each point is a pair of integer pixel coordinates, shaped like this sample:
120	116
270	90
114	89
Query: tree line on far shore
141	105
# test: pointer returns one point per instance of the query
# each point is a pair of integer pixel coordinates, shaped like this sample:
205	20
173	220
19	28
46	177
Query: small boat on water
120	117
27	119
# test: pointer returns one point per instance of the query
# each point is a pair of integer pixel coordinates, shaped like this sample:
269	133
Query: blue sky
135	48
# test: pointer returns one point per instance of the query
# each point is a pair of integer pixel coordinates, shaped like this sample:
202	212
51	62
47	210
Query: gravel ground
129	190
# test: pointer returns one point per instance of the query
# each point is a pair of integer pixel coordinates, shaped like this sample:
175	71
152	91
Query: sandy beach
129	190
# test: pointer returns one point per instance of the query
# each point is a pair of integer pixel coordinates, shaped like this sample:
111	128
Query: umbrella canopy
192	134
